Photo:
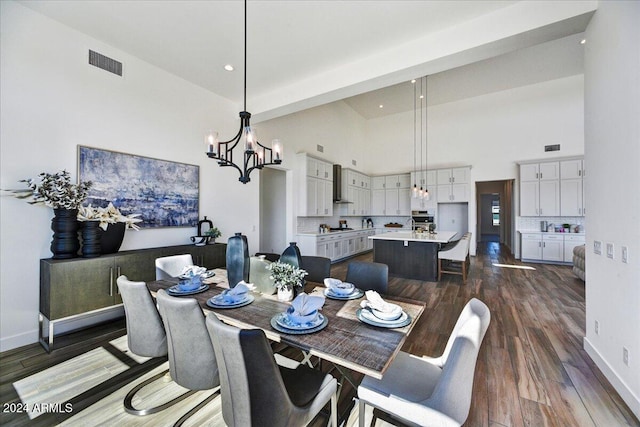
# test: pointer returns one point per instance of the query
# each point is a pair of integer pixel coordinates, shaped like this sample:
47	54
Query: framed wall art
164	193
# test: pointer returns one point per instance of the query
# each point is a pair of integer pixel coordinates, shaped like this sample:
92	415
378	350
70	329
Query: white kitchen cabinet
453	185
553	247
425	180
540	189
531	246
391	195
315	197
377	202
358	191
572	188
570	242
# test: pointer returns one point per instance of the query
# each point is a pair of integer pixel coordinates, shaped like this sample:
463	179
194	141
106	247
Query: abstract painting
164	193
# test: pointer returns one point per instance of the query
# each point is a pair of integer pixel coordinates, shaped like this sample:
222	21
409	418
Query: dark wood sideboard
81	287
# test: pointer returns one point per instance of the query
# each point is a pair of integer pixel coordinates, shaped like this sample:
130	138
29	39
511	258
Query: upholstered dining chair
368	276
319	268
146	337
427	391
192	361
171	266
258	392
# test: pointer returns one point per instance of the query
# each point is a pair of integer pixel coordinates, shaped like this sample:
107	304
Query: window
495	211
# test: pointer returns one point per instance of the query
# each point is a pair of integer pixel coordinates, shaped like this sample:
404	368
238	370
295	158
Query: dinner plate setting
225	301
368	316
283	322
355	293
207	274
176	290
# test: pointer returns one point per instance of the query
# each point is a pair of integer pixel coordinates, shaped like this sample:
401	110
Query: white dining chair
172	266
426	391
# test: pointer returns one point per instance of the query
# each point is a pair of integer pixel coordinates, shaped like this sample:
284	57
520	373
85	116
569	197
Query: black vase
65	243
291	255
111	239
91	234
237	259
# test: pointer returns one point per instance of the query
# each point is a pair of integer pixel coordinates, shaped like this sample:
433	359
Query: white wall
51	101
612	155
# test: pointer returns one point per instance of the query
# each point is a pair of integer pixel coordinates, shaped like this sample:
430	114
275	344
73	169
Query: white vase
285	294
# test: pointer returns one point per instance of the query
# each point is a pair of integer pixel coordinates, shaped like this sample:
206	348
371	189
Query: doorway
495	212
273	206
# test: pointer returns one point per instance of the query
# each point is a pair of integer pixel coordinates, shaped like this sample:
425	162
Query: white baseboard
19	340
618	383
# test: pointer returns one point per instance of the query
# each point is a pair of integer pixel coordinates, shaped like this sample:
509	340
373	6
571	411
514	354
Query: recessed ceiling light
421	96
413	81
381	106
583	41
229	67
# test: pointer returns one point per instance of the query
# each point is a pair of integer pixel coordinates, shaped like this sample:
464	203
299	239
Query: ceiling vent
111	65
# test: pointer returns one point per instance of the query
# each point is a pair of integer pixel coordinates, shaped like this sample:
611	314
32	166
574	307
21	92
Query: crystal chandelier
255	155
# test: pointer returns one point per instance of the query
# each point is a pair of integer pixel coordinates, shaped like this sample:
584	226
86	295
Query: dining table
345	341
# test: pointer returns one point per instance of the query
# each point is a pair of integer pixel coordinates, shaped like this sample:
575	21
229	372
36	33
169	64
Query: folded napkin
237	293
192	271
338	286
375	302
304	304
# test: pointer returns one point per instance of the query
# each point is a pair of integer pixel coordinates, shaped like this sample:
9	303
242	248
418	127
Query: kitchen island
410	255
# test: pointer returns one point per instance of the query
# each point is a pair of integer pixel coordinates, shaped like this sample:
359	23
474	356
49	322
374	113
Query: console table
76	288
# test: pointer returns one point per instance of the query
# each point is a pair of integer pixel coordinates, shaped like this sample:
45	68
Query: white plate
283	320
175	290
368	315
357	293
222	300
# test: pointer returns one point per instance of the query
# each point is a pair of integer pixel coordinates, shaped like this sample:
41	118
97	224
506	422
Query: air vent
111	65
555	147
320	148
354	163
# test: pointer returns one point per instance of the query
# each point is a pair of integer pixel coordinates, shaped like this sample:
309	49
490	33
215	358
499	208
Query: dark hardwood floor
531	370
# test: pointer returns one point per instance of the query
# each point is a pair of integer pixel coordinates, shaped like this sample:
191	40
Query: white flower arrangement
286	276
108	215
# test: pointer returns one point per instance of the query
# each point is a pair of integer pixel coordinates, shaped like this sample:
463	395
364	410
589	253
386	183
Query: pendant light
414	192
426	134
421	191
255	155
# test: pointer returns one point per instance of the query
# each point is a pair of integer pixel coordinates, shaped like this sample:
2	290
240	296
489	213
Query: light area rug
60	383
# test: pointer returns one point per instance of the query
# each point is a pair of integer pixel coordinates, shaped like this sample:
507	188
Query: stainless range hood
337	185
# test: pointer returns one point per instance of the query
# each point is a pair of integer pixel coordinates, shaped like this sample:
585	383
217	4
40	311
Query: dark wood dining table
345	341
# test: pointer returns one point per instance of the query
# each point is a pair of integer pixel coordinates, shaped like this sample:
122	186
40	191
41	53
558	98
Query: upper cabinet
316	193
572	188
453	185
391	195
425	180
358	192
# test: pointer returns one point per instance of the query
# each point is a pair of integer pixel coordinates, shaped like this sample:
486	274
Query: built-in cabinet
391	195
550	247
453	185
425	180
572	188
540	189
73	287
336	245
316	195
358	191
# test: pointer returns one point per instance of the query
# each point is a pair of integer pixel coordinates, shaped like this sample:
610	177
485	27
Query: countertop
355	230
548	232
439	237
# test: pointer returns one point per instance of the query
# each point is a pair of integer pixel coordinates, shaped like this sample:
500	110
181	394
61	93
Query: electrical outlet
610	250
597	247
625	356
625	254
597	327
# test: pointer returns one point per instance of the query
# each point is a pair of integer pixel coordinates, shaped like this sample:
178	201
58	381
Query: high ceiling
304	53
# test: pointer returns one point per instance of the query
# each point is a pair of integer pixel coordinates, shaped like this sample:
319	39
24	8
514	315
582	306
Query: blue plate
175	290
275	325
217	302
283	320
366	316
357	293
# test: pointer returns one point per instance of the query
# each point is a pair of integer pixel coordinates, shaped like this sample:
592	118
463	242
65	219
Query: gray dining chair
258	392
428	391
171	266
146	337
317	267
192	361
368	276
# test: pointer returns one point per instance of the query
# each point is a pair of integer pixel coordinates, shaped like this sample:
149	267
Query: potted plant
113	224
286	277
56	191
212	234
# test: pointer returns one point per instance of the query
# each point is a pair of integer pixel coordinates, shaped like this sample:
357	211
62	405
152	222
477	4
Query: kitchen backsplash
307	224
533	223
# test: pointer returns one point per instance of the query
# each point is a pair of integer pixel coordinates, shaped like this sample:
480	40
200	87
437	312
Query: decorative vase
285	294
260	276
237	259
65	243
91	234
291	255
111	239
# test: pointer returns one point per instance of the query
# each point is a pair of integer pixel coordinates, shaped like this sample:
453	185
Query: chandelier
255	155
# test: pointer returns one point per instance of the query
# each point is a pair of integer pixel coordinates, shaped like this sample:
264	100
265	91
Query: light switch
610	250
625	254
597	247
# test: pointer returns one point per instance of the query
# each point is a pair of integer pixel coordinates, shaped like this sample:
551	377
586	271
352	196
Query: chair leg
128	400
360	413
200	405
334	410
